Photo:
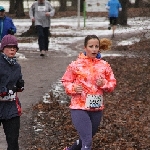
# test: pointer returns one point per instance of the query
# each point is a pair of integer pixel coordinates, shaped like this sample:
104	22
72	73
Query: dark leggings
113	20
11	129
43	35
86	124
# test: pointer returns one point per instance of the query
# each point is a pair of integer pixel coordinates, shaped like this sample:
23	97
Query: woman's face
92	48
10	50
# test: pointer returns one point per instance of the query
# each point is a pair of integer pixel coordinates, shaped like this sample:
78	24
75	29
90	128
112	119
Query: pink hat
8	40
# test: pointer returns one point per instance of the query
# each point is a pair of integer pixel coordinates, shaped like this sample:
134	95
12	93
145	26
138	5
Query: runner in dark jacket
6	24
11	82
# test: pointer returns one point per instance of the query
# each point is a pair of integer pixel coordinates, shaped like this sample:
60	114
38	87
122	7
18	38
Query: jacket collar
11	61
83	56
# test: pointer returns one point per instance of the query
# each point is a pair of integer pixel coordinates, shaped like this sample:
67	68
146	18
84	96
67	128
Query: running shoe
109	28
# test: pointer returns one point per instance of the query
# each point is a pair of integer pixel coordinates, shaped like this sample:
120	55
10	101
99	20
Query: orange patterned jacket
85	71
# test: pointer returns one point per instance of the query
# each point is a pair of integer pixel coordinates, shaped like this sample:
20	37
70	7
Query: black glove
10	31
20	85
14	89
3	91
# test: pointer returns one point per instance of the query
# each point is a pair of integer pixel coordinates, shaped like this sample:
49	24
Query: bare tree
19	8
74	3
12	6
16	7
81	5
63	5
137	3
123	14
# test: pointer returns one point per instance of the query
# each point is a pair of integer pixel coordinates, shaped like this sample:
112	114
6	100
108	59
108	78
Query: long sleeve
68	81
120	8
52	11
13	28
110	81
31	12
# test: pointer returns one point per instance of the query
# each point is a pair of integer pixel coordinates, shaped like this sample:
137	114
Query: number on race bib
41	8
94	101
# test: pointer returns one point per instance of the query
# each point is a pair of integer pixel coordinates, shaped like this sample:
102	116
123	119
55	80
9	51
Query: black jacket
10	74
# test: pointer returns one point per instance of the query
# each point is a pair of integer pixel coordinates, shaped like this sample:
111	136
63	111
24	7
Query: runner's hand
100	82
33	19
47	14
78	89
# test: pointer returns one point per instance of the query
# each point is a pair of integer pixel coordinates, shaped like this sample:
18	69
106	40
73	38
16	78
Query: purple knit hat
9	40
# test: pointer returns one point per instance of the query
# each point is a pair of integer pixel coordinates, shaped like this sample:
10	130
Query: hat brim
11	44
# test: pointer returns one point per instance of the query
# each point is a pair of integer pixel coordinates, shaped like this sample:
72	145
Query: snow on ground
78	30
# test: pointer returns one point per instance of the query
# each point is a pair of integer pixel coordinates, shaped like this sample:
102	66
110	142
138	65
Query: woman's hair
105	44
89	37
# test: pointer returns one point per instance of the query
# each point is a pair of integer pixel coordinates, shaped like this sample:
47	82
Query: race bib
41	8
94	101
10	97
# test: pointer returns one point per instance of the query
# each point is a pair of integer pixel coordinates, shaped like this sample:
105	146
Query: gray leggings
86	123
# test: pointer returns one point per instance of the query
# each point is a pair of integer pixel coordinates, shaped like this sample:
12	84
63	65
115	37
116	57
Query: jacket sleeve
31	11
13	28
20	84
52	11
68	81
120	8
110	81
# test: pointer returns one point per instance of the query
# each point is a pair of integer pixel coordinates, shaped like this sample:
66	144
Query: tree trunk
19	8
122	19
137	3
63	6
12	6
81	5
74	4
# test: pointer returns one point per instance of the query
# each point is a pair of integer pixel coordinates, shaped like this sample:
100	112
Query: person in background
113	7
6	24
41	12
11	82
85	80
